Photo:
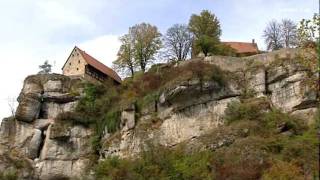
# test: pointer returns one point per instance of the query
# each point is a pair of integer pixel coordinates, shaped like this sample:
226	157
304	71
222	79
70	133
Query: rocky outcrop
29	134
189	110
186	112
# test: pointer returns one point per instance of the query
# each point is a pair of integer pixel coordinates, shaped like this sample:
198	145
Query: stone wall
75	64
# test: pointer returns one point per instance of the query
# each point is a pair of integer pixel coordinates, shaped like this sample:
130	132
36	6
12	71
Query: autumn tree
308	30
273	36
125	61
178	41
309	40
206	30
146	43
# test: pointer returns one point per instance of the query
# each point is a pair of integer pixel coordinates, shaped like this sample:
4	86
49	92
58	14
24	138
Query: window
79	61
77	69
70	64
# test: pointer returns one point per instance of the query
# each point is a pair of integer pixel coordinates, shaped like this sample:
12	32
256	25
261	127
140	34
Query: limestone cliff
184	112
28	137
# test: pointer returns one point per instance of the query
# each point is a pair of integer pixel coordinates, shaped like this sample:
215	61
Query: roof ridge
99	65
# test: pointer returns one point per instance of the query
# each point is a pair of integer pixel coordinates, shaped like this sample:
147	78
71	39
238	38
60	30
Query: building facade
81	64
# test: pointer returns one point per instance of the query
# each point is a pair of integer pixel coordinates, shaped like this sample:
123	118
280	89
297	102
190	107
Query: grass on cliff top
268	144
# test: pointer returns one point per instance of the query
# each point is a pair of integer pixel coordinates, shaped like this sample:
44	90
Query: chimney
253	41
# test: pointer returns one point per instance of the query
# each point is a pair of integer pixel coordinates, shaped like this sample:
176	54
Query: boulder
57	97
29	107
34	144
127	119
52	86
42	124
50	110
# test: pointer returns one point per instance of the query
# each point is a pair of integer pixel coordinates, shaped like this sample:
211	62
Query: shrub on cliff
158	163
9	175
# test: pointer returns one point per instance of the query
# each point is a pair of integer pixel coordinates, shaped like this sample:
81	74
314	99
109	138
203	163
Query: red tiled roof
99	66
243	47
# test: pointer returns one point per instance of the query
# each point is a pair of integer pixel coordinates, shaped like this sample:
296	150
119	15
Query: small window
70	64
77	69
79	61
72	55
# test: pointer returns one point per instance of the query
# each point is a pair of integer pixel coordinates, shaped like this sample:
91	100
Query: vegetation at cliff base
266	144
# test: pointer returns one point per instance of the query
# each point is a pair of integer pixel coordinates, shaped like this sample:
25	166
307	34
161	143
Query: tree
288	33
146	43
206	30
178	41
273	36
45	68
308	30
125	60
12	105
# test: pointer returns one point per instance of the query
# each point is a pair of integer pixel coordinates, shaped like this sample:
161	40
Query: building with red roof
244	48
81	64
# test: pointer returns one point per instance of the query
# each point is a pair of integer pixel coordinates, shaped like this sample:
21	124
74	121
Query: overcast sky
32	31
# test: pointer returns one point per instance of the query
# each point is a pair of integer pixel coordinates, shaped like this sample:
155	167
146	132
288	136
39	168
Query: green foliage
112	121
45	68
207	31
308	30
125	62
158	163
281	170
303	150
245	159
250	110
9	175
259	110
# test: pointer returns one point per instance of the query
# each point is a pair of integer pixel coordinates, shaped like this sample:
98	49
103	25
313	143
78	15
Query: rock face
29	134
185	112
188	110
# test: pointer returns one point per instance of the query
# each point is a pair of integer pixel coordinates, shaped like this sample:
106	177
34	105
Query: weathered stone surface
29	108
42	124
186	112
51	110
290	93
74	145
257	81
192	122
277	74
127	119
57	97
32	88
306	114
60	169
52	86
34	145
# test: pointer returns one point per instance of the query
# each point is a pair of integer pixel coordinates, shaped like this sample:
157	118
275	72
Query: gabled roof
243	47
98	65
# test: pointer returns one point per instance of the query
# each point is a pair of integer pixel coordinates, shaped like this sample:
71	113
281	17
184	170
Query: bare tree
289	33
272	36
12	105
178	42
